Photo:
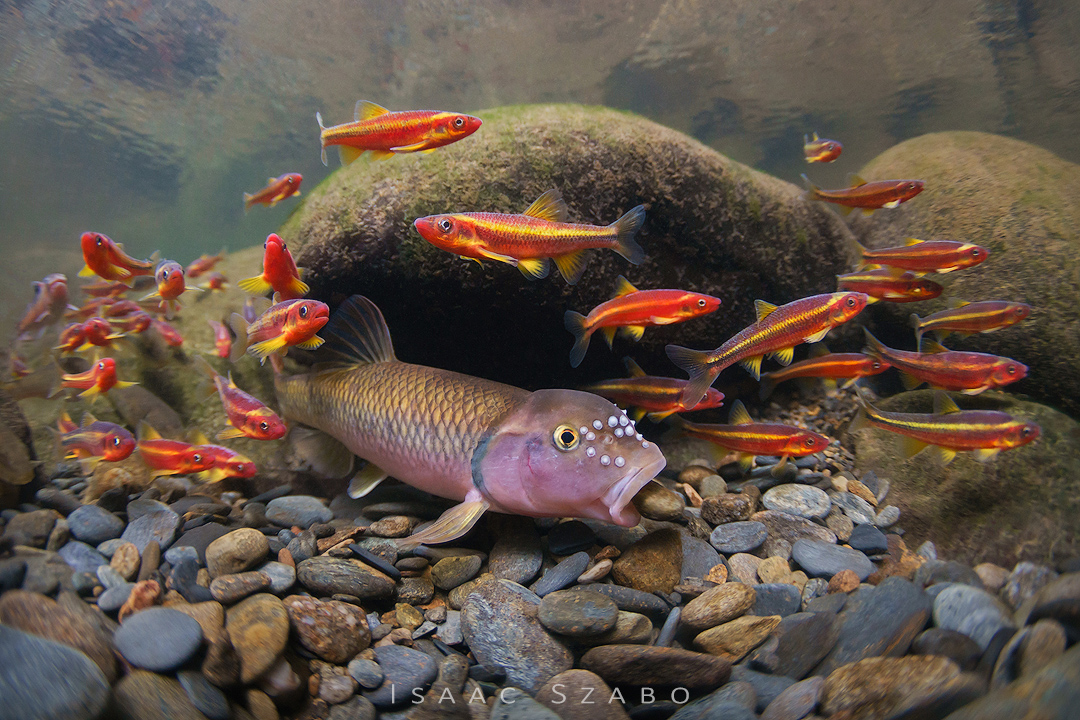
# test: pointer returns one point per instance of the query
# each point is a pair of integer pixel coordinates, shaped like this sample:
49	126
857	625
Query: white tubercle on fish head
566	453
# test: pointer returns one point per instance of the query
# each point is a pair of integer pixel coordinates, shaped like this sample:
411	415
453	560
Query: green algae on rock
1023	505
1023	204
712	225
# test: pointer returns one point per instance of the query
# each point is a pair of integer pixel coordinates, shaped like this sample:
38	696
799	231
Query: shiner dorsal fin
633	368
856	180
623	287
739	415
944	405
764	309
549	206
357	335
365	110
912	241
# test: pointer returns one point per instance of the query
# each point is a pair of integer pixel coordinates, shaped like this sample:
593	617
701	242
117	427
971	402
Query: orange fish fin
380	154
87	272
932	347
943	404
623	287
550	206
575	323
451	525
817	337
312	343
255	285
763	309
87	419
830	384
537	268
199	438
746	461
910	447
121	384
212	475
632	368
784	356
845	210
572	265
230	433
626	228
298	286
365	110
855	180
267	347
889	205
753	365
366	480
349	154
609	335
739	415
634	332
975	391
910	382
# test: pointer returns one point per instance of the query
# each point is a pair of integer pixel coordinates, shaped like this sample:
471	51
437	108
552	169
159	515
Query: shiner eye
444	225
565	438
701	302
809	442
459	122
303	312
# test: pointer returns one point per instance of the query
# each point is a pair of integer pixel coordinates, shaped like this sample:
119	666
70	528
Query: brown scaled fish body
549	453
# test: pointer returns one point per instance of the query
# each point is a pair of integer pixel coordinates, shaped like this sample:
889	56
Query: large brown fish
549	453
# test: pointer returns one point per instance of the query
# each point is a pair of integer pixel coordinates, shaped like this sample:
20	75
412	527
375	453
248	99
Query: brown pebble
397	636
845	581
692	496
597	572
261	706
694	474
143	595
125	560
391	526
857	488
151	558
608	552
718	574
284	556
313	682
774	570
408	617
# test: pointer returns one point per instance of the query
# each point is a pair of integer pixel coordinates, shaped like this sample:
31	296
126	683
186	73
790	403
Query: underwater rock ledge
712	225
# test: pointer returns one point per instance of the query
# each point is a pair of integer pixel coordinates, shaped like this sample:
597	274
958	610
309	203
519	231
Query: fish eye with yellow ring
565	438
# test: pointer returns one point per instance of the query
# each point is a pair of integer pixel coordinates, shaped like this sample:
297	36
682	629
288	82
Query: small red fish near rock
108	261
279	274
203	264
820	149
276	190
384	133
100	378
284	325
247	415
866	196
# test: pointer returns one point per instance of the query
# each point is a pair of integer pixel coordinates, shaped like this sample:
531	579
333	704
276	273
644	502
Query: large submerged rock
712	226
1023	505
1023	204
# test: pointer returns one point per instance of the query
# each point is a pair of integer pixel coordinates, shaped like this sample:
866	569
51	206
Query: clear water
147	119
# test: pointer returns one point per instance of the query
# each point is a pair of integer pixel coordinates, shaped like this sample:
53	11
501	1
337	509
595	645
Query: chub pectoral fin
451	525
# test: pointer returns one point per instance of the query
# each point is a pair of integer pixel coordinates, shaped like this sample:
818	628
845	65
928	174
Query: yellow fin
549	206
230	433
637	413
623	287
381	154
910	382
366	480
856	180
199	438
817	337
311	343
451	525
943	455
213	475
784	356
89	463
90	393
911	241
819	349
415	147
778	468
534	267
889	205
830	384
572	265
753	366
632	368
267	347
956	303
87	272
944	405
910	447
986	454
608	334
146	432
121	384
932	347
87	418
763	309
255	285
634	332
365	110
739	415
659	415
746	461
350	154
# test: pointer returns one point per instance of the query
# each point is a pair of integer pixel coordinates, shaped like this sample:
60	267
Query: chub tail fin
626	228
575	323
696	364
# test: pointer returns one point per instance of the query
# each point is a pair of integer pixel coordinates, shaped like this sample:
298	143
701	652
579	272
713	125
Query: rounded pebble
158	639
803	500
738	537
94	525
577	614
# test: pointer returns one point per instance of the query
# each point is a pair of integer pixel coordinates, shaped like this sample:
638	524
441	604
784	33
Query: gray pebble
971	611
158	639
404	670
366	672
81	557
889	516
282	576
781	599
860	511
738	537
160	526
109	547
802	500
210	701
300	510
94	525
176	554
820	559
562	575
114	597
43	679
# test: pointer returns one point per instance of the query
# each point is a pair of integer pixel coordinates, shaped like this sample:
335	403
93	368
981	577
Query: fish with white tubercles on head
549	453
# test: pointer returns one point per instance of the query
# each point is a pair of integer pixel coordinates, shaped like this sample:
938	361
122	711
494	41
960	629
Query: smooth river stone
650	665
145	695
333	576
578	614
160	526
259	630
236	552
803	500
790	528
94	525
738	537
405	670
563	574
718	605
820	559
300	510
158	639
971	611
44	680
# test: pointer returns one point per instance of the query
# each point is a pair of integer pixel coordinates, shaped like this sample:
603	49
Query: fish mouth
620	495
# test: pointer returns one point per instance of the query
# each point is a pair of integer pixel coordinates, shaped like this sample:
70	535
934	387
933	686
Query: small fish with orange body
94	441
866	196
171	457
279	274
47	307
631	311
214	281
108	261
170	286
95	332
884	284
276	190
821	149
167	332
750	439
227	463
966	318
651	394
777	331
926	256
104	288
384	133
246	415
527	241
222	338
827	366
72	337
203	264
99	379
133	323
949	430
284	325
968	372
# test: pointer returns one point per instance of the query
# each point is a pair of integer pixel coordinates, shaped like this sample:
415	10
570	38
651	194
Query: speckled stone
743	567
645	665
733	640
450	572
335	631
888	686
366	672
797	701
738	537
206	698
630	629
329	576
727	508
44	679
631	600
791	528
577	614
563	574
718	605
803	500
573	695
228	589
158	639
405	670
159	526
236	552
971	611
516	555
145	695
259	629
652	564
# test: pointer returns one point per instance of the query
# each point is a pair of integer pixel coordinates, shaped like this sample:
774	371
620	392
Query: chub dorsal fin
357	335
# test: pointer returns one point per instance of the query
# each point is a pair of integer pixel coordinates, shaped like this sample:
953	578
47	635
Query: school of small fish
548	453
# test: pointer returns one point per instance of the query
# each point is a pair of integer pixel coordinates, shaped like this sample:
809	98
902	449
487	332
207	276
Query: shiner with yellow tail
549	453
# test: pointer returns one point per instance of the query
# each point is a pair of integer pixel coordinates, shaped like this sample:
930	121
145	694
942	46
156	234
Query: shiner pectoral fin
451	525
366	480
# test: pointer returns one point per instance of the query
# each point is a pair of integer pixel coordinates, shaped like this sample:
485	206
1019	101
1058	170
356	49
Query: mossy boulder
1023	204
1023	505
712	226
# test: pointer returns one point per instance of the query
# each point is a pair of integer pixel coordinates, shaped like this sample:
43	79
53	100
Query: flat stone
45	679
300	510
501	609
1046	642
631	600
860	511
645	665
743	567
803	500
81	557
210	616
356	708
933	572
114	597
94	525
821	559
993	576
652	564
335	631
144	506
1052	693
797	701
405	670
733	640
158	639
516	555
450	572
958	647
738	537
34	613
236	552
577	614
228	589
768	687
699	557
889	516
868	540
971	611
366	672
329	576
31	528
774	569
718	605
1059	600
727	508
282	576
336	689
840	524
803	639
145	695
258	628
570	537
781	599
513	704
560	576
790	528
159	526
889	686
580	695
206	698
630	629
